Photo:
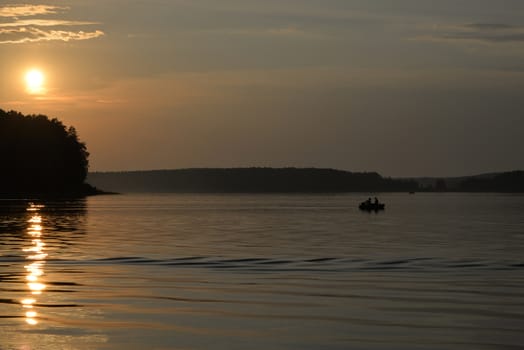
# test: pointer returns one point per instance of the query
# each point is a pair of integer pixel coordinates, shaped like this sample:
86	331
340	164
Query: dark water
434	271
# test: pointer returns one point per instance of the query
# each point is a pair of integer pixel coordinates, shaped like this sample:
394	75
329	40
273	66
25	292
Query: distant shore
294	180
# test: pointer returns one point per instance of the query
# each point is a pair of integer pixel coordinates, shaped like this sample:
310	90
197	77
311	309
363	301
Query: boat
367	206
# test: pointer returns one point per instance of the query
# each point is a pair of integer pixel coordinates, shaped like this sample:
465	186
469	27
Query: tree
441	186
40	155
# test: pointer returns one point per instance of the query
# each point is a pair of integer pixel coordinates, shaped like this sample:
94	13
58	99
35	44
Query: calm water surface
434	271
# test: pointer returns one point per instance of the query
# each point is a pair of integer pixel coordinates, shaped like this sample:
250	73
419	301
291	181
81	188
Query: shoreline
86	190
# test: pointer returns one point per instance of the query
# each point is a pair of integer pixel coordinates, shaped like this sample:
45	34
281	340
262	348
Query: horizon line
305	168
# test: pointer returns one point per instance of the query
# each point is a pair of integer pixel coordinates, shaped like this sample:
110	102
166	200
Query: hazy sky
402	87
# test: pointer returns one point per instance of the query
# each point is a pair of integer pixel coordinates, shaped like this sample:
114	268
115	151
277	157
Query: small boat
367	206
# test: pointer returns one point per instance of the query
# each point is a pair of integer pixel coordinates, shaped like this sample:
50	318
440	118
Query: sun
34	81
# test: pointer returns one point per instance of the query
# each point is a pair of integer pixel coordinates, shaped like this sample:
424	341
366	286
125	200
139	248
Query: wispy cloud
31	30
44	23
29	10
491	33
288	32
32	34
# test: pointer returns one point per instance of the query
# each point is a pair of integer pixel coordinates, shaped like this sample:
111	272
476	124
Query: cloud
44	23
491	33
29	10
32	34
288	32
30	30
488	26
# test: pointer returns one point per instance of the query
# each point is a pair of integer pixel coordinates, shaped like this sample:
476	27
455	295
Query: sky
403	87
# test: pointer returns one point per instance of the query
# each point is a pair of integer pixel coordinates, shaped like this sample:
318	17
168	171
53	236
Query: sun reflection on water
35	269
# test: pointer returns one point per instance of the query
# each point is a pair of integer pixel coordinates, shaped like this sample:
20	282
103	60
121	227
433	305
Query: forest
249	180
294	180
511	182
41	156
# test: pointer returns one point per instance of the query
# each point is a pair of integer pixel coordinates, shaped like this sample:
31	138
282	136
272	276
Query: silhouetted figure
369	206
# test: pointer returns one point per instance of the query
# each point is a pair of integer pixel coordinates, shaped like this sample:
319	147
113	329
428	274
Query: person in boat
368	202
376	202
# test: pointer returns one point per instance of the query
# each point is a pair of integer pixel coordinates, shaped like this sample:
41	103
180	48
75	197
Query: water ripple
312	264
263	272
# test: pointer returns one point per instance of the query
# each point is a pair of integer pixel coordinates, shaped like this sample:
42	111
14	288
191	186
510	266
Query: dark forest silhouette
505	182
249	180
512	181
39	155
295	180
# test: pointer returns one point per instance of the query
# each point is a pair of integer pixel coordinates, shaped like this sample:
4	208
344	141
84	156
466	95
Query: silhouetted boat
366	206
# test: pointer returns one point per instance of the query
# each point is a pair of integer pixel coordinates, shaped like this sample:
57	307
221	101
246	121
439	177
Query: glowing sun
34	81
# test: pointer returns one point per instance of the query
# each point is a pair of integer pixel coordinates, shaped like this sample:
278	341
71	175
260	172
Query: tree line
39	155
249	180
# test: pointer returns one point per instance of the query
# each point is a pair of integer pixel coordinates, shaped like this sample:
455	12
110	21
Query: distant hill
248	180
511	181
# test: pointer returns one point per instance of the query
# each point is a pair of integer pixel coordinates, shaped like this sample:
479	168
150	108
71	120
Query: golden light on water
33	208
35	270
31	321
36	288
40	256
35	229
34	82
28	303
35	219
37	248
31	314
30	318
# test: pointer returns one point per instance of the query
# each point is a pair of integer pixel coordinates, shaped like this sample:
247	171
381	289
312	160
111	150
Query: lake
172	271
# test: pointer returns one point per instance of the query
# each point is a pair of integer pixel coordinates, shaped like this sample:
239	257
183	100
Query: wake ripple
420	264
